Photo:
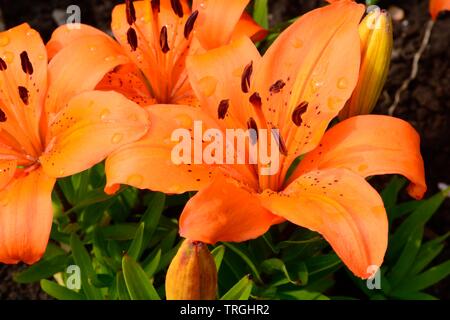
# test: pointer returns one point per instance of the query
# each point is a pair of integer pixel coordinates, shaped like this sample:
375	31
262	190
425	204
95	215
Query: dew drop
135	180
204	4
61	172
8	56
315	84
41	57
333	102
363	167
104	114
116	138
110	58
342	83
31	32
183	120
92	48
298	43
208	85
4	40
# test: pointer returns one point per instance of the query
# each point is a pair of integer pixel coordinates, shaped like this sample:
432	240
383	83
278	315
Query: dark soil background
425	104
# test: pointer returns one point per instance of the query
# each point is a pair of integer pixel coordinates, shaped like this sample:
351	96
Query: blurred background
425	103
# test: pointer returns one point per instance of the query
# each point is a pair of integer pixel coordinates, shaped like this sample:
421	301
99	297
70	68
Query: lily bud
375	32
192	274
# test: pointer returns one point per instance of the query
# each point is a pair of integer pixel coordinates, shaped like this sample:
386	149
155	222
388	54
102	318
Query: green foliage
123	244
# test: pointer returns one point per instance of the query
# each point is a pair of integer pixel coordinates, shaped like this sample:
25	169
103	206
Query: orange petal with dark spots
94	124
341	206
370	145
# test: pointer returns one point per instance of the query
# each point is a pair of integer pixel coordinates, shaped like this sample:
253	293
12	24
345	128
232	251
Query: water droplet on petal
41	57
298	43
8	56
363	167
116	138
315	85
208	85
184	120
31	32
342	83
61	172
333	102
204	4
104	114
110	58
92	48
4	40
135	180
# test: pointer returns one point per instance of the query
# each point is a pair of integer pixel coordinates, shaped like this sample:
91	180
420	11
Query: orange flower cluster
86	97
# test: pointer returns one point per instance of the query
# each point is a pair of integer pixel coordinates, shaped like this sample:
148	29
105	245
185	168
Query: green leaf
59	292
122	287
426	279
218	253
273	264
260	13
120	231
302	295
323	265
427	253
417	219
390	193
413	296
135	248
138	283
246	259
240	291
88	275
152	215
406	259
45	268
151	267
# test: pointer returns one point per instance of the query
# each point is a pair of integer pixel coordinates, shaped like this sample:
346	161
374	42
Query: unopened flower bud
375	32
192	274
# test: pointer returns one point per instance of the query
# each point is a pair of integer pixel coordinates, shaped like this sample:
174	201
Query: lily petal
66	34
79	67
25	218
217	20
309	72
148	163
370	145
226	210
341	206
94	124
23	83
437	6
248	27
217	75
7	170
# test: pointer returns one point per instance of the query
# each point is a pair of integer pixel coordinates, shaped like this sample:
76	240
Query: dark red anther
130	12
255	100
132	39
246	75
163	41
3	65
24	95
190	24
156	6
177	7
223	108
2	116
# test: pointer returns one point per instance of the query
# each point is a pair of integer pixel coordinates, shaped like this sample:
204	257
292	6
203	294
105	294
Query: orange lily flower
437	6
298	87
52	124
157	36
